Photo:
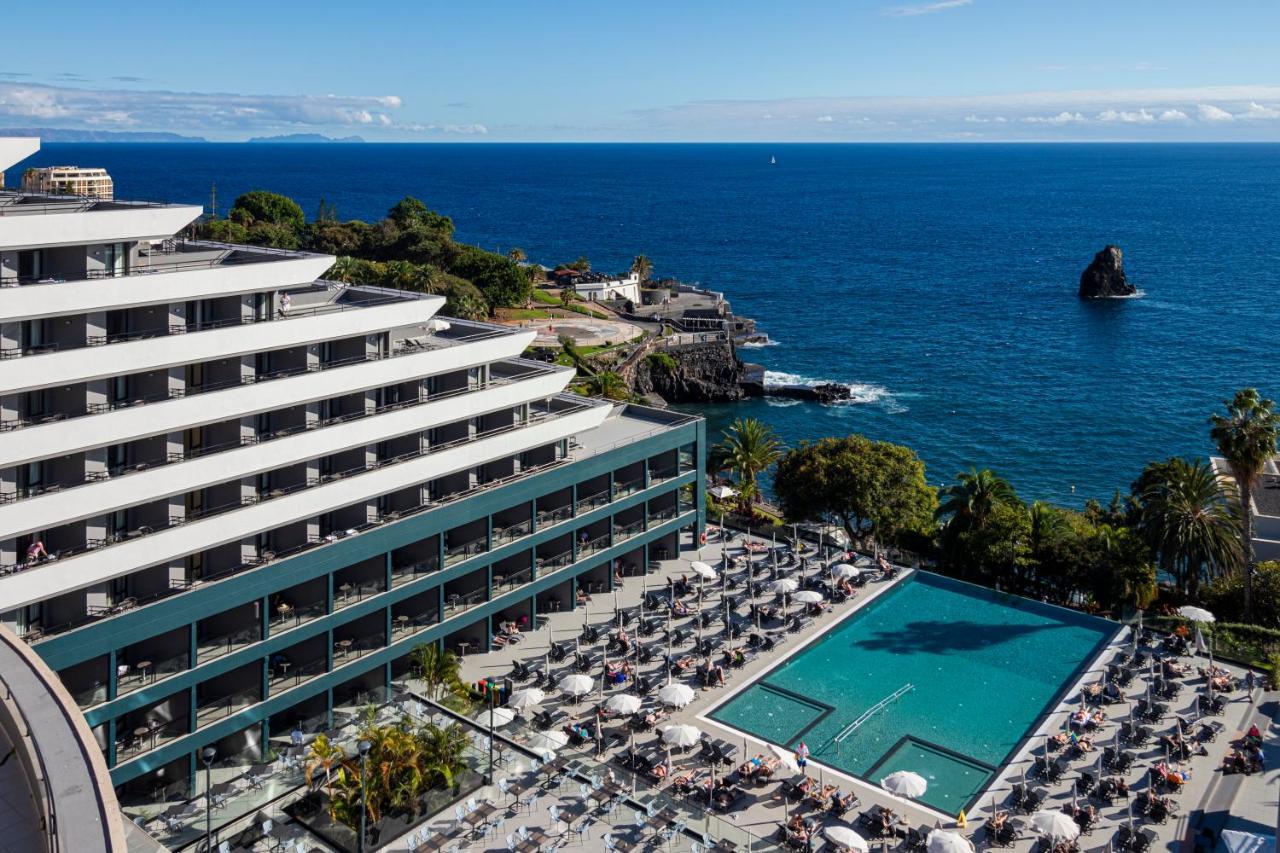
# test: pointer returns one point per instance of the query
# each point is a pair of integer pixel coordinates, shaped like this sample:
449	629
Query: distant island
305	137
63	134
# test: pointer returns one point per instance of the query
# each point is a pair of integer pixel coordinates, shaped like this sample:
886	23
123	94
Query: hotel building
224	512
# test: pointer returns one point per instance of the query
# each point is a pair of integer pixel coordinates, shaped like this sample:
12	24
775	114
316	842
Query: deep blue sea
939	280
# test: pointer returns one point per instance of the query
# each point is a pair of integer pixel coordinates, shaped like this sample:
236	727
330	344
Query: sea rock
704	373
1105	278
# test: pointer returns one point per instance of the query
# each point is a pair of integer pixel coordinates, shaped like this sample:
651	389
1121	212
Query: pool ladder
869	713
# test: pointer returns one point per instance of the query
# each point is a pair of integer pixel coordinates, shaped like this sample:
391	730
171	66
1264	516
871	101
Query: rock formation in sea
702	373
1105	278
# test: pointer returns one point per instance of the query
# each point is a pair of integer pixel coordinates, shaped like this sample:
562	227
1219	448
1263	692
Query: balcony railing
465	550
626	531
284	373
143	671
231	256
209	710
347	593
659	475
511	580
285	615
408	574
308	483
592	546
459	602
216	645
555	516
657	516
628	487
557	561
593	501
286	674
512	532
159	461
351	648
94	694
404	625
133	740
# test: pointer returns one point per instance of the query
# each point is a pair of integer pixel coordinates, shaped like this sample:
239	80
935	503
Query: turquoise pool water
983	667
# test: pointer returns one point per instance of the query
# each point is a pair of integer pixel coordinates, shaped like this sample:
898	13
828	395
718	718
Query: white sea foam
860	393
758	344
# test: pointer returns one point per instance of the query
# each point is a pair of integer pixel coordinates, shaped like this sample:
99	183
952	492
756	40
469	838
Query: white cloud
466	129
190	112
1210	113
1256	111
1174	115
825	119
1063	117
925	8
1128	117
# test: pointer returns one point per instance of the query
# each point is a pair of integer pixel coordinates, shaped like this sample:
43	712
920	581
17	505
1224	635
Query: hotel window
115	259
31	263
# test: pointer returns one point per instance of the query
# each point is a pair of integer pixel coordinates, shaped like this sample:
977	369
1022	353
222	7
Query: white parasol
577	684
703	570
623	703
904	783
677	694
1055	825
681	735
807	596
846	837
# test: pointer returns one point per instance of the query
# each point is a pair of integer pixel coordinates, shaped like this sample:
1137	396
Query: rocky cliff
697	373
1105	278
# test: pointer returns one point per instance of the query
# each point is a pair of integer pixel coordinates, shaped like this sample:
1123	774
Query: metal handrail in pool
868	714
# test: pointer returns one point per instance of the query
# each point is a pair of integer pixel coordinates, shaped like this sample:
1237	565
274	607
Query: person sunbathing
679	609
752	765
660	771
825	796
1079	718
1235	762
807	786
1099	717
998	821
682	664
847	588
1059	740
1172	669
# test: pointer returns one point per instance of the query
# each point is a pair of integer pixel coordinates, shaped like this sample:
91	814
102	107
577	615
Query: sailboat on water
773	161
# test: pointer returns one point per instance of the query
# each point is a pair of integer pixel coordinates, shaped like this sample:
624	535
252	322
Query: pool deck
1251	801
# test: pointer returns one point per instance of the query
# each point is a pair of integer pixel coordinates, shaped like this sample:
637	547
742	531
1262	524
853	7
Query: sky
694	70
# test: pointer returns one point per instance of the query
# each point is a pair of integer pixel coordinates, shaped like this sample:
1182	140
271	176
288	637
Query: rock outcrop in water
1105	278
702	373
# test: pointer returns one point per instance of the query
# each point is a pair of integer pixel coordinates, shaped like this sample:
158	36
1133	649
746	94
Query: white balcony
213	272
118	359
59	438
98	498
15	149
103	564
40	222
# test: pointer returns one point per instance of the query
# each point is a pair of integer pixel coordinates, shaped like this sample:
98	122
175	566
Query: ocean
938	280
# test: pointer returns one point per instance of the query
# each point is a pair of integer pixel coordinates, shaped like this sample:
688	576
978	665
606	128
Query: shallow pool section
973	669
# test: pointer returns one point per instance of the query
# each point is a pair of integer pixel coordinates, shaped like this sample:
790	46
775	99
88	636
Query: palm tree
517	254
323	755
642	267
748	449
1246	438
439	668
969	501
1190	521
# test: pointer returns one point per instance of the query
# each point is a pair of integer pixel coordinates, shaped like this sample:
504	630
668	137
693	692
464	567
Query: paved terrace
602	805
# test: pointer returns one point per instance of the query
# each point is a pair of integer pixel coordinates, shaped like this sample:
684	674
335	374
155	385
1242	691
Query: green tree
1225	595
269	207
517	254
1246	438
580	265
863	485
567	295
642	267
503	283
438	668
748	448
610	385
965	508
1189	521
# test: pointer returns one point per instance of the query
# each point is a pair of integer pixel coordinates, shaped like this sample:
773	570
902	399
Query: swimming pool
982	667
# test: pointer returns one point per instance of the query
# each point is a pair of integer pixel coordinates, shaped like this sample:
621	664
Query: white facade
616	288
166	417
